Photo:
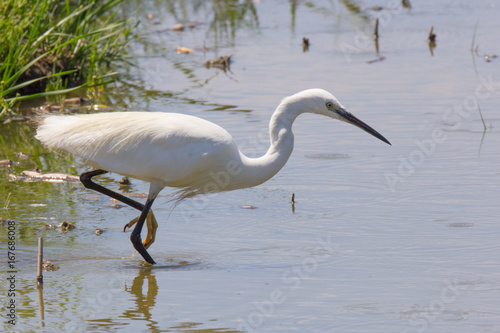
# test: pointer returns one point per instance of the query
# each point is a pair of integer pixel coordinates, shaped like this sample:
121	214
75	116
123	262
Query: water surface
400	238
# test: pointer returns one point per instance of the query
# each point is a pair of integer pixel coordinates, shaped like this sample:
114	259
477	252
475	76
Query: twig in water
39	274
474	38
7	201
481	114
376	28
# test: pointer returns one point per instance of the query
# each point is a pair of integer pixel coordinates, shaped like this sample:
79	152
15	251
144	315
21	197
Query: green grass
50	47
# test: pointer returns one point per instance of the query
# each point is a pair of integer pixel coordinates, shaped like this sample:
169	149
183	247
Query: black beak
351	119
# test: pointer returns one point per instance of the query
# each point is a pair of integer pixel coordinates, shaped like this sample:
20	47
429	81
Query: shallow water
400	238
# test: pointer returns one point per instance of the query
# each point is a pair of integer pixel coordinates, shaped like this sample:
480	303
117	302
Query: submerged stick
39	274
41	307
474	37
481	114
432	35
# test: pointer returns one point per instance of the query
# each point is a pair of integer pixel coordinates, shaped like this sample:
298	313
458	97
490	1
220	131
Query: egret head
322	102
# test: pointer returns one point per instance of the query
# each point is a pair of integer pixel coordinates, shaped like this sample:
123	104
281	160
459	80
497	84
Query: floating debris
432	35
249	207
33	176
49	227
116	206
7	163
124	181
489	57
193	24
50	107
76	101
72	104
182	27
178	27
375	60
150	17
48	266
406	4
22	156
98	231
305	44
185	50
223	63
376	28
65	226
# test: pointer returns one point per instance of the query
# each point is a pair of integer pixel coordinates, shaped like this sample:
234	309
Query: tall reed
50	47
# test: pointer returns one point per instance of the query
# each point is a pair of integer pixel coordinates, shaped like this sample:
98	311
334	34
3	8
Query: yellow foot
151	225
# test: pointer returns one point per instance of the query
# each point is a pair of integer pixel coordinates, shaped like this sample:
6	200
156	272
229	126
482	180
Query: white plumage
164	147
171	149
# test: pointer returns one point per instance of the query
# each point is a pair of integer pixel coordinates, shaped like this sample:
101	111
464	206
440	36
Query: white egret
182	151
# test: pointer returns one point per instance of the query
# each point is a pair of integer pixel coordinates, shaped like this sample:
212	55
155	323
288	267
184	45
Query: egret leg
135	237
86	179
152	225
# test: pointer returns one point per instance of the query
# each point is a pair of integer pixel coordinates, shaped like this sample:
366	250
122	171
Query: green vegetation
49	47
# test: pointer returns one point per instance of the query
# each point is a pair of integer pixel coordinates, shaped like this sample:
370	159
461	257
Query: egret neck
258	170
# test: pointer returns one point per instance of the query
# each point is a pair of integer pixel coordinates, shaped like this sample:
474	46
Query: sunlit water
400	238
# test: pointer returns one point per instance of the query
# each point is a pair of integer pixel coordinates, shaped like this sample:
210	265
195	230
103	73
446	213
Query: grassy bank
49	47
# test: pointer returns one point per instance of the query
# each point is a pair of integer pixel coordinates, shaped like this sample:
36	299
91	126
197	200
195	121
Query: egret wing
169	147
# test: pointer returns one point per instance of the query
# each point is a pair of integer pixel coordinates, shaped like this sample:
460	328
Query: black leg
135	237
86	179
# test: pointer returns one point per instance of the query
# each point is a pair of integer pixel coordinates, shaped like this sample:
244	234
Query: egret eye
329	105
